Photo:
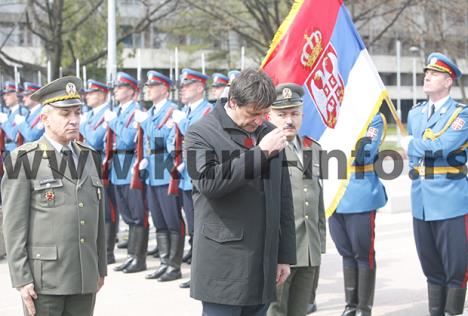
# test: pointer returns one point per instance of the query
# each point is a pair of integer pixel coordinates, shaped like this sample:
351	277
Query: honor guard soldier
54	219
93	131
165	208
7	120
129	202
30	125
352	226
192	87
220	82
294	295
437	152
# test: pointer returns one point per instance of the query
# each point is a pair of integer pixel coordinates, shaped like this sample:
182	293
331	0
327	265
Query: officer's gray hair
253	86
46	109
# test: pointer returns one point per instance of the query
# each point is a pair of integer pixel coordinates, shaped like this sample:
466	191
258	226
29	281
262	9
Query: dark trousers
63	305
187	204
443	250
111	213
212	309
353	235
165	209
293	296
130	204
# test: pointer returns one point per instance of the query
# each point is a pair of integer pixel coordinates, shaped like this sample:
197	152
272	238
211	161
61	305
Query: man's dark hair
253	86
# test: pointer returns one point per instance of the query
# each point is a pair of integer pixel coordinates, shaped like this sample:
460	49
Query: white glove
3	118
19	119
143	164
170	123
140	116
109	115
178	116
181	167
405	142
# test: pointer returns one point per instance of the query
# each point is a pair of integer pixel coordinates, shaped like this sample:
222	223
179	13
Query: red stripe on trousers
371	250
466	235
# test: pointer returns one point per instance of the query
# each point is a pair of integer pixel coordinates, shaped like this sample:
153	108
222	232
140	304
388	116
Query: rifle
137	181
109	145
20	137
175	175
2	132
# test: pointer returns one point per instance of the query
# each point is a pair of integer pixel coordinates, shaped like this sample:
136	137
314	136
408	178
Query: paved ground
400	289
400	282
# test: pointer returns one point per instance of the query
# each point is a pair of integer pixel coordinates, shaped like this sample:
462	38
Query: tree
76	29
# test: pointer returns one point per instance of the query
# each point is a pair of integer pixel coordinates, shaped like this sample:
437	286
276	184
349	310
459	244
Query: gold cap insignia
70	88
287	93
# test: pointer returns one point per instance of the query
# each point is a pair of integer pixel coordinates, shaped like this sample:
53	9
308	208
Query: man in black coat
244	238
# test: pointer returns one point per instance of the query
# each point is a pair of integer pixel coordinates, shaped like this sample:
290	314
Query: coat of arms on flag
324	83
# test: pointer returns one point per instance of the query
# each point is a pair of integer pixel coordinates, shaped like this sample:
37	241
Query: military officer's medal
50	196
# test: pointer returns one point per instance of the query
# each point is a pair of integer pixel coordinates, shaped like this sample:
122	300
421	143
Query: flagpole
395	116
111	42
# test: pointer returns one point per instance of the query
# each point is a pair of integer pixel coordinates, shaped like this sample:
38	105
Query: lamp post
414	51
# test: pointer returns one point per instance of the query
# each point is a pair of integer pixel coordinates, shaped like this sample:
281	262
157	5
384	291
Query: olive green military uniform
295	293
54	225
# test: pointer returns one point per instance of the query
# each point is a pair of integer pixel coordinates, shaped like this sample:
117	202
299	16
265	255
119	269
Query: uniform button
307	217
82	240
38	255
82	222
80	204
305	189
307	203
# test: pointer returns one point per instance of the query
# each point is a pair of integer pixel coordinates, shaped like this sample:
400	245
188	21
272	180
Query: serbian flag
318	46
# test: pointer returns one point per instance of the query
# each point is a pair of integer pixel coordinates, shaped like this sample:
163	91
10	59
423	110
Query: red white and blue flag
318	46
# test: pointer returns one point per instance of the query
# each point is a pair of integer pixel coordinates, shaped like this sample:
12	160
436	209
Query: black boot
436	296
154	252
140	244
130	251
175	258
455	301
111	233
366	288
187	258
350	276
163	244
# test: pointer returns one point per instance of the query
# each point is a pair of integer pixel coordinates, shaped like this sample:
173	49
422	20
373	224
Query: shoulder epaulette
419	104
84	146
308	141
26	148
461	105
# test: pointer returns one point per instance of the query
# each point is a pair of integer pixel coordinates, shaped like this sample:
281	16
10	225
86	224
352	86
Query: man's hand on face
28	295
273	142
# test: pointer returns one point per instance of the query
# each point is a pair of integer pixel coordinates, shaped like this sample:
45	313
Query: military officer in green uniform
54	211
294	294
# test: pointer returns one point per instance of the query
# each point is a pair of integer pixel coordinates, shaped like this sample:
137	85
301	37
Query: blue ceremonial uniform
365	192
32	128
192	116
125	134
93	129
10	127
439	194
